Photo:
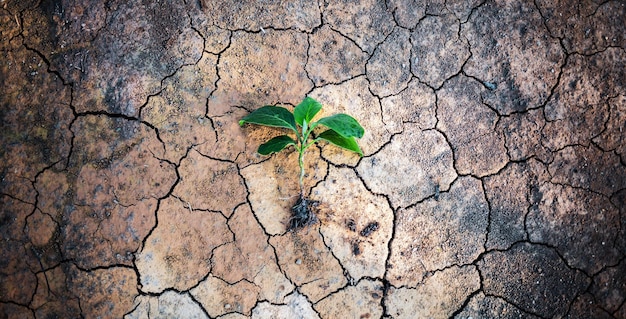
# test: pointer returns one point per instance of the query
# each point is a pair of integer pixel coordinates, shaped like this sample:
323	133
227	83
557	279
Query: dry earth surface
493	183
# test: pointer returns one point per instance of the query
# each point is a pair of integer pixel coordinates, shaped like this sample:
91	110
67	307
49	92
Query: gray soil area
493	181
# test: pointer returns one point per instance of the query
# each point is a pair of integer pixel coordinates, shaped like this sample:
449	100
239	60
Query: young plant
341	131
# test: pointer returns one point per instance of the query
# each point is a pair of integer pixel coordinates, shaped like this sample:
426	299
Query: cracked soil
493	183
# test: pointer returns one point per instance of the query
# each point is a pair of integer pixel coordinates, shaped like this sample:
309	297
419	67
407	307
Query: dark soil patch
303	213
369	229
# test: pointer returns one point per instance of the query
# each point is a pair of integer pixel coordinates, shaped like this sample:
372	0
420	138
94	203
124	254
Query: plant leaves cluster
342	129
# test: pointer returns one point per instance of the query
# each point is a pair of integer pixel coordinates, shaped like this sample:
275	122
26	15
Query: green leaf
348	143
345	125
268	115
275	145
306	110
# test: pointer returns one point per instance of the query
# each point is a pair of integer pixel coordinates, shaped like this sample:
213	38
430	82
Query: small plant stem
303	139
301	163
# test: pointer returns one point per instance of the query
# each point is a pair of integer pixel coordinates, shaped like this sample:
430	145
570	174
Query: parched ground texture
493	183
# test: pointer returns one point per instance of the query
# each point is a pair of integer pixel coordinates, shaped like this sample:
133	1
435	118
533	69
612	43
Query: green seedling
341	130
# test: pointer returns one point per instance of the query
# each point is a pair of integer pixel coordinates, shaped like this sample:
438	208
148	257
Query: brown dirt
493	183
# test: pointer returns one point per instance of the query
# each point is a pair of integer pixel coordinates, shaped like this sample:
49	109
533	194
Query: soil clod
369	229
351	224
356	249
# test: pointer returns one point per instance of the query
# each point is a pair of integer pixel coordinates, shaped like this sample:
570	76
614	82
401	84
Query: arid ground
493	181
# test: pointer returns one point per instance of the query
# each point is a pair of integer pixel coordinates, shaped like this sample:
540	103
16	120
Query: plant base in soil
302	213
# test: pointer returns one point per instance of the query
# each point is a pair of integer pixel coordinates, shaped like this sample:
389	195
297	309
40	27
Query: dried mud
493	183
